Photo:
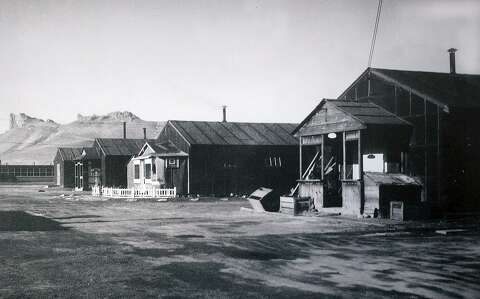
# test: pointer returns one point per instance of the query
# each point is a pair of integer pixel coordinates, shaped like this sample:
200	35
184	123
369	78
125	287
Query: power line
375	30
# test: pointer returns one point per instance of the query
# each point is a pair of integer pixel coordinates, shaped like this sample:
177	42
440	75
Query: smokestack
224	113
452	60
145	133
124	130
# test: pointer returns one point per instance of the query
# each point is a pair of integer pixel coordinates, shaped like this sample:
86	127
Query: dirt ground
56	245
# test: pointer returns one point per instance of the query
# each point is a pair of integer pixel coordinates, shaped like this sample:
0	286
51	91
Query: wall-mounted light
332	135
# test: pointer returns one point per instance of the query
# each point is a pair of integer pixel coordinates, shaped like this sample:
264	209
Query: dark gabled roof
365	112
70	153
445	89
235	133
369	113
91	153
119	146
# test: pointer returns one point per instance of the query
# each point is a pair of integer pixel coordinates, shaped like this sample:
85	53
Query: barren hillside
31	140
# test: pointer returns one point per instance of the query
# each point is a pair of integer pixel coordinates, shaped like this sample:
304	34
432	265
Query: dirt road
61	246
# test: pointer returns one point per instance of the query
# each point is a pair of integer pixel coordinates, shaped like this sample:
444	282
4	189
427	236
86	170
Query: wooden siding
442	147
329	119
221	170
169	133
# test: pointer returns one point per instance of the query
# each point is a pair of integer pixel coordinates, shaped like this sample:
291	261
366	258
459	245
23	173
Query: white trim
169	122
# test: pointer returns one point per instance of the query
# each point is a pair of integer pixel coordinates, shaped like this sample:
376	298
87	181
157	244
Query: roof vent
452	59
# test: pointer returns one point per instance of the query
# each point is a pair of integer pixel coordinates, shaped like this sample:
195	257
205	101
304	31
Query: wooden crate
294	205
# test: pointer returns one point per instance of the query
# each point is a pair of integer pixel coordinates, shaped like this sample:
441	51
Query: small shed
64	166
383	188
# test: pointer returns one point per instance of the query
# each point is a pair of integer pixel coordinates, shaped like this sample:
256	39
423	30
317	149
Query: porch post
344	167
300	157
322	156
188	174
360	156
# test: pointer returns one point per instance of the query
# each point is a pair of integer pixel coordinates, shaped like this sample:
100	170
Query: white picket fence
132	193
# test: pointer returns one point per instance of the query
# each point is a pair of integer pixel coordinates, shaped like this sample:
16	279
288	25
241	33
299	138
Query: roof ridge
427	72
233	122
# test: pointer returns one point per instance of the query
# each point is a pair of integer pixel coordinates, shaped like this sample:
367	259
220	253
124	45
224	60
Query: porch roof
155	149
167	149
356	115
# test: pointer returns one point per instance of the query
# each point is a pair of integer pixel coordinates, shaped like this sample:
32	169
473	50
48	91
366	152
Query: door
58	174
333	152
78	177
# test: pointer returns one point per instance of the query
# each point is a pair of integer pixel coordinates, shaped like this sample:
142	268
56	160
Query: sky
268	61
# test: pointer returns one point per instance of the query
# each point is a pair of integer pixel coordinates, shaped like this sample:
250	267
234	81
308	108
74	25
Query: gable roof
165	149
235	133
69	153
120	146
367	113
91	153
444	89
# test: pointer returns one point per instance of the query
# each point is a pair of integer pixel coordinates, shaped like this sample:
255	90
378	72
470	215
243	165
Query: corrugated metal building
233	157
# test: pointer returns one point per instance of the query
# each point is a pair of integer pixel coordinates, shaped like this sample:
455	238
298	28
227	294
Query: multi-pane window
148	171
136	170
273	161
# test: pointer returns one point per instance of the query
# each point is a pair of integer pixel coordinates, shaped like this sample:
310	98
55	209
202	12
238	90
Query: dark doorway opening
333	157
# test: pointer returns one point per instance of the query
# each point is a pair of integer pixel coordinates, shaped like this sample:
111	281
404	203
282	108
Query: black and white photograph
240	149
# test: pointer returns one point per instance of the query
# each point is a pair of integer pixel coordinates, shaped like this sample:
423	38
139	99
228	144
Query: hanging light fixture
332	135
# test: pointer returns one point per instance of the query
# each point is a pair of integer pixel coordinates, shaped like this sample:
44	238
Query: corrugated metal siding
234	133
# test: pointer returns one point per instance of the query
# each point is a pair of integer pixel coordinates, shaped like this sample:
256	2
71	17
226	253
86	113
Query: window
173	163
136	171
352	170
273	162
148	171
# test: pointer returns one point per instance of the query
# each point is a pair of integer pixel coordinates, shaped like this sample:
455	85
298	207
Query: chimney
452	60
124	130
224	113
145	133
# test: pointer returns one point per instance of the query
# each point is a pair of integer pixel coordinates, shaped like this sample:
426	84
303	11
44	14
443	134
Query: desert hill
31	140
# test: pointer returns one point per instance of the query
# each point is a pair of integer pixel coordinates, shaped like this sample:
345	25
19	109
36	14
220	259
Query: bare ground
63	246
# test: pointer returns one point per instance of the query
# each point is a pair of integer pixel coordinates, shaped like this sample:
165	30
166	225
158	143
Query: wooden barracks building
413	127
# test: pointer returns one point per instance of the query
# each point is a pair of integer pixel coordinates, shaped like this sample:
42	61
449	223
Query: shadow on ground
22	221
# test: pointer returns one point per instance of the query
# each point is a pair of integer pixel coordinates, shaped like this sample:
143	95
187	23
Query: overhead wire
375	30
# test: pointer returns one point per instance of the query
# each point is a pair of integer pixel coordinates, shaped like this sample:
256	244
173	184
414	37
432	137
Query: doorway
58	174
79	177
333	157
